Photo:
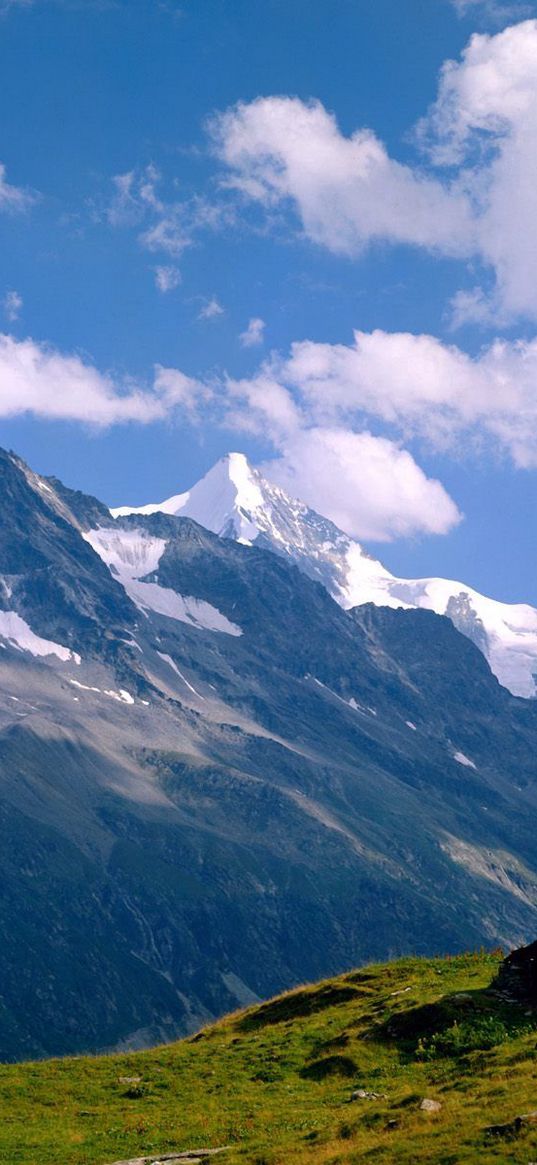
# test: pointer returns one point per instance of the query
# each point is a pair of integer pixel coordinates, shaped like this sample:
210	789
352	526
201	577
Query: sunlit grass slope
275	1082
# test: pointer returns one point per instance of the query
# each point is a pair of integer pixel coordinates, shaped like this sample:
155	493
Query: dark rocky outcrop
517	977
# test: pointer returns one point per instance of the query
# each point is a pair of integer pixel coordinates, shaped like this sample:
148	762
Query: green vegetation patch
331	1074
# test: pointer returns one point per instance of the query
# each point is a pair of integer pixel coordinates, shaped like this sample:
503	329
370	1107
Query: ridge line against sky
374	425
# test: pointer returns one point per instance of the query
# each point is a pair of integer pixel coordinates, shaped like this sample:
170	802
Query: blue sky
183	275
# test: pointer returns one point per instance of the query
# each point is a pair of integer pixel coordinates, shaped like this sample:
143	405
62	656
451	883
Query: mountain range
216	781
235	501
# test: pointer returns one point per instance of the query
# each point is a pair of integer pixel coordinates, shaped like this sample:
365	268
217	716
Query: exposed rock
363	1094
512	1128
517	976
428	1105
188	1157
508	1130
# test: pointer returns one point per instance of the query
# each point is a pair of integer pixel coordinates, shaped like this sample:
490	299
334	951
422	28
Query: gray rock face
211	817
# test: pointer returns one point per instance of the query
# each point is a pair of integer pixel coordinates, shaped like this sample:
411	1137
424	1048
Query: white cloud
414	384
254	334
175	390
12	304
486	116
472	307
167	226
474	198
37	379
167	278
211	310
367	485
347	191
13	198
492	10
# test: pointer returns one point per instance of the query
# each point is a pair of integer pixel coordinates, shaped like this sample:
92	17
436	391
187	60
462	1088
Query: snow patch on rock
171	663
464	760
18	633
132	555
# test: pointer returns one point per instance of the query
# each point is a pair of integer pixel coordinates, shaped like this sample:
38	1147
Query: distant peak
238	461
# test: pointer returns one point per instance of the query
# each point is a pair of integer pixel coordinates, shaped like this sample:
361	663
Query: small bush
477	1035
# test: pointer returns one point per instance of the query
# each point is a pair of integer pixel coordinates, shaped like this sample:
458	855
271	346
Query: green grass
274	1082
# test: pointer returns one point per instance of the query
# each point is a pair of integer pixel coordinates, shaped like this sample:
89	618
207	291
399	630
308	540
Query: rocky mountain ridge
235	501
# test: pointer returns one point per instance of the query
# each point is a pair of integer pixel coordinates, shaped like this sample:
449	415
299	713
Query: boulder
428	1105
517	977
363	1094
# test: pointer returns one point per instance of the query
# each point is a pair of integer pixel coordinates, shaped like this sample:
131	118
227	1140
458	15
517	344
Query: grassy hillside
275	1082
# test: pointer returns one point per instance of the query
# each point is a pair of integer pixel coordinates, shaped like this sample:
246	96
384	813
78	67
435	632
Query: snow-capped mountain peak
225	501
235	501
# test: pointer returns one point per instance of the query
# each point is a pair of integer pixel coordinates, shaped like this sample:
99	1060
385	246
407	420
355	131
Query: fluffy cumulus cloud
174	391
367	485
415	385
347	191
484	122
254	334
311	407
476	196
37	379
317	406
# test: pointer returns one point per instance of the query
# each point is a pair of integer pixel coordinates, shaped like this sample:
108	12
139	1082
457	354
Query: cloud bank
318	407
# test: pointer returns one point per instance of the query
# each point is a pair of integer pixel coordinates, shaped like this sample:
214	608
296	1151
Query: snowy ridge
132	556
235	501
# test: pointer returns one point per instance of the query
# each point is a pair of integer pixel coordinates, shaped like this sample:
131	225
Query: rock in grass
363	1094
428	1105
188	1157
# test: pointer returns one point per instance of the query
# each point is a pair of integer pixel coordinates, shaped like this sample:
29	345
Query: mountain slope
235	501
275	1083
234	785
